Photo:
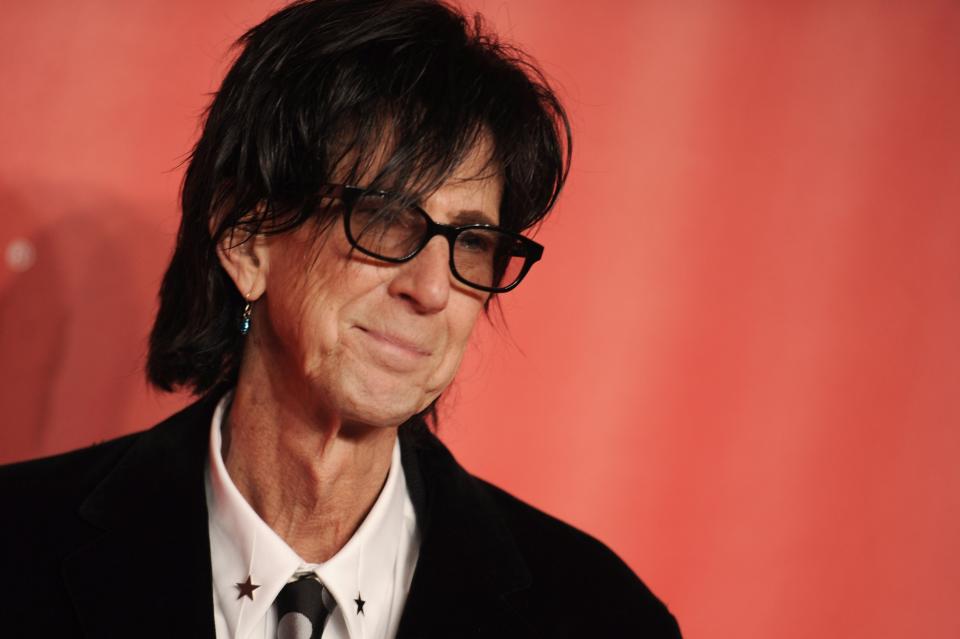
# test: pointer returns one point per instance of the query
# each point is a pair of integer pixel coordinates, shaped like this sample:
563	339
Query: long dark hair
326	85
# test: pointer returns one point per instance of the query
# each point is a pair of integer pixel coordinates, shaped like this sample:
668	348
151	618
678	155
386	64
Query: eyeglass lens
484	257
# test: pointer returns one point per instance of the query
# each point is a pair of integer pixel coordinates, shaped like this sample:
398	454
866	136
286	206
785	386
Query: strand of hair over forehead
372	98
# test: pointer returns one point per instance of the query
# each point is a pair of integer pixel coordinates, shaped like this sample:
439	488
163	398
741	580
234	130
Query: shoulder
561	581
41	504
570	567
42	497
97	506
548	542
74	474
42	487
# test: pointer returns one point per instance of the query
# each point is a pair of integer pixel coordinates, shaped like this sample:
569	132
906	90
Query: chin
382	398
376	417
383	408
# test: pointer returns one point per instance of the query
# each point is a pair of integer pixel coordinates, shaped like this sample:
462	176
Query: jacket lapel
145	561
470	577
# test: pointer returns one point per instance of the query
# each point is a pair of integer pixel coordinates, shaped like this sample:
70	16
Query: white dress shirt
375	565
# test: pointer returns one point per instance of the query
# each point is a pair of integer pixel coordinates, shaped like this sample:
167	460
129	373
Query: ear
246	259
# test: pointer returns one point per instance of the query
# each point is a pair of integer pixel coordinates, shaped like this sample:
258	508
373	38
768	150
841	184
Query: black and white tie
301	611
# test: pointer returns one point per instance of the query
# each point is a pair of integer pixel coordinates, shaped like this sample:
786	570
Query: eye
476	242
385	228
370	208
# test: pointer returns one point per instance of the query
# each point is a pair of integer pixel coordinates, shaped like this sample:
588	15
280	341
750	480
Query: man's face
370	341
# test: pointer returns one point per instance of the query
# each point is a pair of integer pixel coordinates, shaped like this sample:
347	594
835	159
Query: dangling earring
245	319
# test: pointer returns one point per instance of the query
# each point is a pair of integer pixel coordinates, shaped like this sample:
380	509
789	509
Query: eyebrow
462	218
471	217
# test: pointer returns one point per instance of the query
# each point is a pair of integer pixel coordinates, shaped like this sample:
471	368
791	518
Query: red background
739	363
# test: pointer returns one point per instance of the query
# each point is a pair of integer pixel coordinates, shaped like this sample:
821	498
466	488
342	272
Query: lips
393	340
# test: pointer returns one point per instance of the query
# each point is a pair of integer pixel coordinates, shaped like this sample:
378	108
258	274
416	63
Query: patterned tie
301	612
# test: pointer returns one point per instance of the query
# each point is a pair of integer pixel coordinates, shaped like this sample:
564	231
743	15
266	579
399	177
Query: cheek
302	310
317	331
289	321
462	319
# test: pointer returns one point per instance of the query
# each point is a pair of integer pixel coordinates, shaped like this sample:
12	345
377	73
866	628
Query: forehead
469	192
391	162
469	197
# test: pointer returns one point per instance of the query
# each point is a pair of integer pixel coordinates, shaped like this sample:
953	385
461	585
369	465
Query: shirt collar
243	545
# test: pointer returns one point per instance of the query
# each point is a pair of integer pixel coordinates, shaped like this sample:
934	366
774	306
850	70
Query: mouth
395	342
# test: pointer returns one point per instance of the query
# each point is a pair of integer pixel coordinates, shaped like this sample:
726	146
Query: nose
424	281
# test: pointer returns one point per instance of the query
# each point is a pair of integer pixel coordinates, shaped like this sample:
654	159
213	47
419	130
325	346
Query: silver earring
245	319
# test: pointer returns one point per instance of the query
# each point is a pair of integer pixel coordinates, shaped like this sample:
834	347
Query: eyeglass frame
350	194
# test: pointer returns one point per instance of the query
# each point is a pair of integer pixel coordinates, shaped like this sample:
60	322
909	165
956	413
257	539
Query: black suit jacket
111	541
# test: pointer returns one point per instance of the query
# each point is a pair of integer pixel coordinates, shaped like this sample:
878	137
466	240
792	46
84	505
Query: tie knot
301	609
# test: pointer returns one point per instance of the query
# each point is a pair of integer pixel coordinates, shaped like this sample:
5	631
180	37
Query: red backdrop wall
739	363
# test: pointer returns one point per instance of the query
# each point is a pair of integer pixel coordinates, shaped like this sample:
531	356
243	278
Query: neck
309	478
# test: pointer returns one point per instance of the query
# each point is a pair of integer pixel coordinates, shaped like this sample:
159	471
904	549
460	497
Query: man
355	201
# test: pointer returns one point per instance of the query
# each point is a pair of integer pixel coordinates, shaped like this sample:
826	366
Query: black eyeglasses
482	256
